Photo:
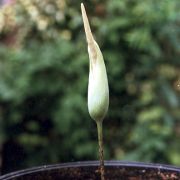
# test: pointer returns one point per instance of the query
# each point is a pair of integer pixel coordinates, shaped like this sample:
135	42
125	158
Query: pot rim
91	164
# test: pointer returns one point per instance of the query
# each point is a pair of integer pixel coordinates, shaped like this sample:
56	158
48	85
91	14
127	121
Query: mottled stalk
101	150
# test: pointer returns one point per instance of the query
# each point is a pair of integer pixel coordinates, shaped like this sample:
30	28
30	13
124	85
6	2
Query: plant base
114	170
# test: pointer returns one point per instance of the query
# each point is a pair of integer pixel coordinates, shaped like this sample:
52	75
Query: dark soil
91	172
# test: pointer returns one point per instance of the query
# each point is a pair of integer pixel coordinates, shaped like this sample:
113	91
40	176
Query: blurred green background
44	75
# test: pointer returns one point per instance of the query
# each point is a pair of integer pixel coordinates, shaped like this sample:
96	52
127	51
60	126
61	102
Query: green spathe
98	90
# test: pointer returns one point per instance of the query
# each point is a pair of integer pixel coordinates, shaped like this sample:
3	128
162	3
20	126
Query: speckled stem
101	154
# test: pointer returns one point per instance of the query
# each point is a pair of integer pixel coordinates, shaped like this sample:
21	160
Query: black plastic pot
89	171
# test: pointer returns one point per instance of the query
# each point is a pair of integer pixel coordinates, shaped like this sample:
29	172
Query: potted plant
98	102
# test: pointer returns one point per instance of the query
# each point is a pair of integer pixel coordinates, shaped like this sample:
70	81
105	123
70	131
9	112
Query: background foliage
44	73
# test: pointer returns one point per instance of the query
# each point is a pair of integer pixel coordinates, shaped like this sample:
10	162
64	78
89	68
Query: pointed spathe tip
89	36
87	28
82	6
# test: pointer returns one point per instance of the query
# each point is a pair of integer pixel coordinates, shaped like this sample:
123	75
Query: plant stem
101	155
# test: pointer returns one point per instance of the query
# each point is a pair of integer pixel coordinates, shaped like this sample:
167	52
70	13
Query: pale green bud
98	90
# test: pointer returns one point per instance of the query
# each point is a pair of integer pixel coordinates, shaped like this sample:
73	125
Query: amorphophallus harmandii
98	90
